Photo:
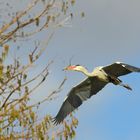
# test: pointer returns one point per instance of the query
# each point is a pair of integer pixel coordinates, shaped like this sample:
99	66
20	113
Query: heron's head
74	68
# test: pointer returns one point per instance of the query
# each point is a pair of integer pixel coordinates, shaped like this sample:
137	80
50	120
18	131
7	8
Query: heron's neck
84	71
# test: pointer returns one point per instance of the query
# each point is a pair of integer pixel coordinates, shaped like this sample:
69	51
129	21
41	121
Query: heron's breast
101	75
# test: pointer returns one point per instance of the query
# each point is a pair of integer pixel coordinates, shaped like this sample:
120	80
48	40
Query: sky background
109	32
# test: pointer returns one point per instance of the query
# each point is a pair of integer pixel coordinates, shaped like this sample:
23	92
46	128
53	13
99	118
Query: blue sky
109	32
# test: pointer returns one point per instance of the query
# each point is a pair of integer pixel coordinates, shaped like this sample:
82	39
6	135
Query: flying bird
94	82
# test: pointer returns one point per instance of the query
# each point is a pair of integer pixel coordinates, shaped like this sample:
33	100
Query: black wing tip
129	67
56	121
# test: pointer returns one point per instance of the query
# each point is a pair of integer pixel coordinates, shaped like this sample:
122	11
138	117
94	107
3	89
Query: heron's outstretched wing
77	95
118	69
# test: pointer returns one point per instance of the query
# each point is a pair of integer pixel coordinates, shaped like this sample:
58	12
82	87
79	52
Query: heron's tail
125	86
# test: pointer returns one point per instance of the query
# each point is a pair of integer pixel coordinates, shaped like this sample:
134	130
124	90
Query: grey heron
94	82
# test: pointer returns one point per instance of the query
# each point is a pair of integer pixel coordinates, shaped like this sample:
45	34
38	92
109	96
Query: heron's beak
66	68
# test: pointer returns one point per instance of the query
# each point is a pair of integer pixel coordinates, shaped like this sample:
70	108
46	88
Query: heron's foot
126	86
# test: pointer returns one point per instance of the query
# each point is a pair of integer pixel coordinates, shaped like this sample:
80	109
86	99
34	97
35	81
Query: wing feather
118	69
77	95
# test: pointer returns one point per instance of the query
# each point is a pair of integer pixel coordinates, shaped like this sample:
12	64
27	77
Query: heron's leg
114	80
117	81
